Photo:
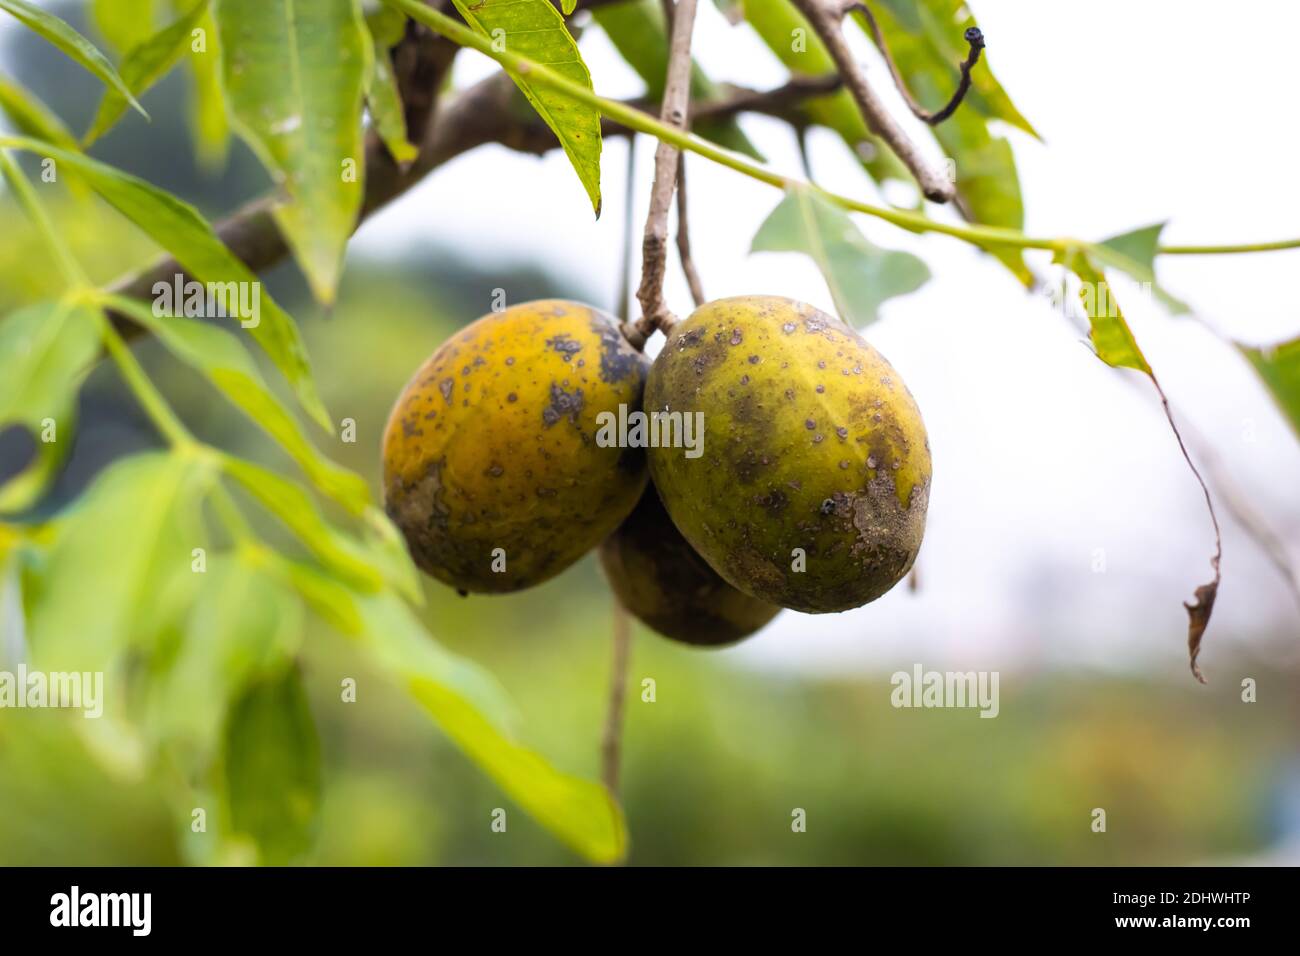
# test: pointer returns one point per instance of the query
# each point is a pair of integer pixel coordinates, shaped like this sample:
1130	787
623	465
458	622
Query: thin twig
684	237
973	36
611	744
826	17
1238	503
1198	613
625	256
654	246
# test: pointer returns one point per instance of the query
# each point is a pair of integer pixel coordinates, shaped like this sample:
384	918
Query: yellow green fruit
671	589
491	465
814	455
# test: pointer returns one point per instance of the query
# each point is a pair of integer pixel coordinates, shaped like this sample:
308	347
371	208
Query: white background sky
1150	111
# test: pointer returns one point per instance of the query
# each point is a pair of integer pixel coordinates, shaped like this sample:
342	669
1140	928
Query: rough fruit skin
492	445
672	590
811	441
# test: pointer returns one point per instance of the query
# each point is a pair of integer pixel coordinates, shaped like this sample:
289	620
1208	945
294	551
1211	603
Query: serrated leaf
368	565
45	351
774	21
177	227
145	65
273	768
294	75
382	95
1134	253
859	274
470	707
120	569
1110	333
639	33
535	29
219	355
72	43
32	117
1279	367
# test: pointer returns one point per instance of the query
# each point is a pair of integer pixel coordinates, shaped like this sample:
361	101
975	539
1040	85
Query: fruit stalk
654	246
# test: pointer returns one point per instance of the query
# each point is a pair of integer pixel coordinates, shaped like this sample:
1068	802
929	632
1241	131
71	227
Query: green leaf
368	565
988	186
1279	367
208	121
273	768
123	23
121	567
381	87
177	227
45	351
775	22
72	43
471	708
219	355
145	65
33	118
1110	334
943	23
535	29
639	33
860	275
294	75
1134	253
243	624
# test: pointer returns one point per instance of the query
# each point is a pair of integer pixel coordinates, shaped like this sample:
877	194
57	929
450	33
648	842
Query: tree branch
654	246
973	36
481	114
826	17
684	237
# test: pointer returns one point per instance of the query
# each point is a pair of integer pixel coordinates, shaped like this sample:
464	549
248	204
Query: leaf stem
150	399
27	198
1229	250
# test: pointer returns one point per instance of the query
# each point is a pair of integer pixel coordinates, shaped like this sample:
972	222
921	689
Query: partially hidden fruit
671	589
491	465
812	488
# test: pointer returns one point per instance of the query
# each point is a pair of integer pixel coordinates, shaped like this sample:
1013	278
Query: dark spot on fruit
753	360
563	405
828	506
809	424
512	397
618	360
736	336
565	345
445	386
495	471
